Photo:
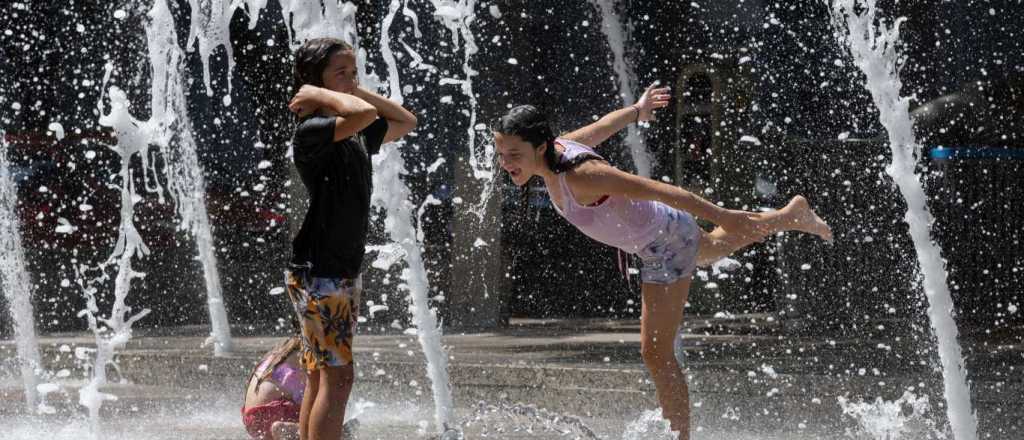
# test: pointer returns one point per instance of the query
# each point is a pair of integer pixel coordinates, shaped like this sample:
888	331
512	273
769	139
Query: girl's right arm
353	114
606	127
400	120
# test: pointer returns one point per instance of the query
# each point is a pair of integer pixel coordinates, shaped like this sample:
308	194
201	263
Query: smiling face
519	158
341	74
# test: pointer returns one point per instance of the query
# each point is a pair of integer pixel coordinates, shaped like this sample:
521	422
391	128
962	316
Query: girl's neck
547	173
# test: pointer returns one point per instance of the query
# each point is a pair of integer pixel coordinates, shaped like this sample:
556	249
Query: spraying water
889	420
114	331
389	167
874	50
457	17
507	418
649	426
14	280
209	29
166	128
611	25
184	170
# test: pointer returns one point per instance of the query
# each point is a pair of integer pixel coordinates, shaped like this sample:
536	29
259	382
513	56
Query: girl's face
341	74
517	157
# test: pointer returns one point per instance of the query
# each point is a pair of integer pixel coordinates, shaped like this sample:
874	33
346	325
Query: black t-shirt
338	178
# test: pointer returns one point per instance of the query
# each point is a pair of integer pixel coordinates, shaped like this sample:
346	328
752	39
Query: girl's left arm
400	120
606	127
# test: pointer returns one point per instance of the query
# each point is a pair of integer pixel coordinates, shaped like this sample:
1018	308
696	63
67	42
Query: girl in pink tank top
651	219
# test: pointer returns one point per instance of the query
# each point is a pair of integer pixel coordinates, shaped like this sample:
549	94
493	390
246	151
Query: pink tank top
618	221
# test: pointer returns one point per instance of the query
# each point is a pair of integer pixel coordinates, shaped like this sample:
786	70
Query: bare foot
804	219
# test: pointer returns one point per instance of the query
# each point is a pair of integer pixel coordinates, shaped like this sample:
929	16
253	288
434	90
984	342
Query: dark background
769	70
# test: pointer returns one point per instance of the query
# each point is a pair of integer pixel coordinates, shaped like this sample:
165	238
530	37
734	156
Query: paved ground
747	381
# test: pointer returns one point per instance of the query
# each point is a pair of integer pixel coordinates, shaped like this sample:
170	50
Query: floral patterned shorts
673	255
327	309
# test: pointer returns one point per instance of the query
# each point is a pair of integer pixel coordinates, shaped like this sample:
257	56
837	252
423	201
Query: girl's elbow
406	118
405	129
367	115
369	111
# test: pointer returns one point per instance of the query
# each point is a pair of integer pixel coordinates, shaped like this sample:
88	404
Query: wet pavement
748	380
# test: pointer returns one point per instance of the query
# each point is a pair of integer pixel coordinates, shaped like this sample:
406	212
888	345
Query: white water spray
14	280
185	173
611	25
166	129
308	19
389	169
458	17
889	420
209	28
875	52
114	331
649	426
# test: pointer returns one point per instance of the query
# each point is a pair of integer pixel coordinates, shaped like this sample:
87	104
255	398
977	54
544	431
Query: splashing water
611	25
889	420
114	331
14	280
185	173
390	166
502	418
209	29
458	17
169	130
649	426
309	19
875	52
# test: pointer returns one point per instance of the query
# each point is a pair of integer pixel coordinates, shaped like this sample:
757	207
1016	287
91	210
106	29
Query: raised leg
797	215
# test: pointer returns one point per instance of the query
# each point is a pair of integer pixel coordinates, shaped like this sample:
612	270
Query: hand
651	100
307	101
748	225
359	92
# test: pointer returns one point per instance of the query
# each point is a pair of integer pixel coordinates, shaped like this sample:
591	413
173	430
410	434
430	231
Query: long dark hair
311	59
530	124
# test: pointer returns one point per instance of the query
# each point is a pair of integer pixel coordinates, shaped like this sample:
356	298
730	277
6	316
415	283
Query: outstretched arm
601	179
606	127
400	120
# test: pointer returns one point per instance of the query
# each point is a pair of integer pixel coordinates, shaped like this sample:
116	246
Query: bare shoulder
589	170
579	136
600	178
594	179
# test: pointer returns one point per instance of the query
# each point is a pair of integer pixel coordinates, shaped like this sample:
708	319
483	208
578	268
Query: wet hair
311	59
530	124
